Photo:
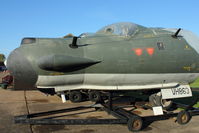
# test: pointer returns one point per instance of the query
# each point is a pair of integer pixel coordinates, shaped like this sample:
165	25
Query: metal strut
35	120
110	101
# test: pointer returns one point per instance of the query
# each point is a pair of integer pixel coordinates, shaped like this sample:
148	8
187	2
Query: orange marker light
138	51
150	51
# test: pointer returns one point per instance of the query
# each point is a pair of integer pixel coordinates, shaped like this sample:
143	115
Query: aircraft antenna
74	42
176	33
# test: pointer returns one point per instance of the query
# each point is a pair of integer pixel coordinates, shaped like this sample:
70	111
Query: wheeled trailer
122	116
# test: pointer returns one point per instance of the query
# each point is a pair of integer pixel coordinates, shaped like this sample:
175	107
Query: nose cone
21	69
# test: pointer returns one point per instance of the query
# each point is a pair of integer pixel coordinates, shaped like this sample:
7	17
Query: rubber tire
75	96
132	121
156	100
180	117
95	96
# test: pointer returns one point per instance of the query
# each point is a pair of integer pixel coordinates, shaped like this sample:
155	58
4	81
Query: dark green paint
117	55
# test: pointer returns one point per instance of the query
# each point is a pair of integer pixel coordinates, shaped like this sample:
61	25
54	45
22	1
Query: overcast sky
56	18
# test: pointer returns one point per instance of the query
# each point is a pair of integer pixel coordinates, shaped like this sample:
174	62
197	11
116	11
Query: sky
56	18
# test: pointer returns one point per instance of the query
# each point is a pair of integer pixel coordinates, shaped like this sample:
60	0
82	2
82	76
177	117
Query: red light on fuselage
138	51
150	51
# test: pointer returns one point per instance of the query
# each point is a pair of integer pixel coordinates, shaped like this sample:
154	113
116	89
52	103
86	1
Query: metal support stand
110	101
122	116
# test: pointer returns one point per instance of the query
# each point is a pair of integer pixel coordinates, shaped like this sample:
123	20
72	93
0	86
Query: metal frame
122	115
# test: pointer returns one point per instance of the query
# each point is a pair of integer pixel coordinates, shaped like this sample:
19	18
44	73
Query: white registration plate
178	92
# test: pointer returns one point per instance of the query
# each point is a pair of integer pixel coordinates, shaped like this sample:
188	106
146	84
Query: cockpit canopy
121	29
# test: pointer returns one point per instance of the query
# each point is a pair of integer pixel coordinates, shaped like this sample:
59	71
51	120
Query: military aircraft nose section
22	71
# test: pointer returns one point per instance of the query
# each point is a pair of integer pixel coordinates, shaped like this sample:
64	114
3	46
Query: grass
189	100
196	105
195	84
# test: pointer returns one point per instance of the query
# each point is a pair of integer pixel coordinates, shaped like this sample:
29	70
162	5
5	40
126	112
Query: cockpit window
28	41
122	29
86	35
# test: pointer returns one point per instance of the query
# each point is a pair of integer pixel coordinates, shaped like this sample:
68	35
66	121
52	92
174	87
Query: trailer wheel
95	96
135	124
75	96
183	117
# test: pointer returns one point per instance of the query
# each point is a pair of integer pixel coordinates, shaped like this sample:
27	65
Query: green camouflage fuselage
151	58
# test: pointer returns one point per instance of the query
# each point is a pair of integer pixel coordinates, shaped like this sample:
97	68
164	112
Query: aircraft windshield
122	29
86	35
